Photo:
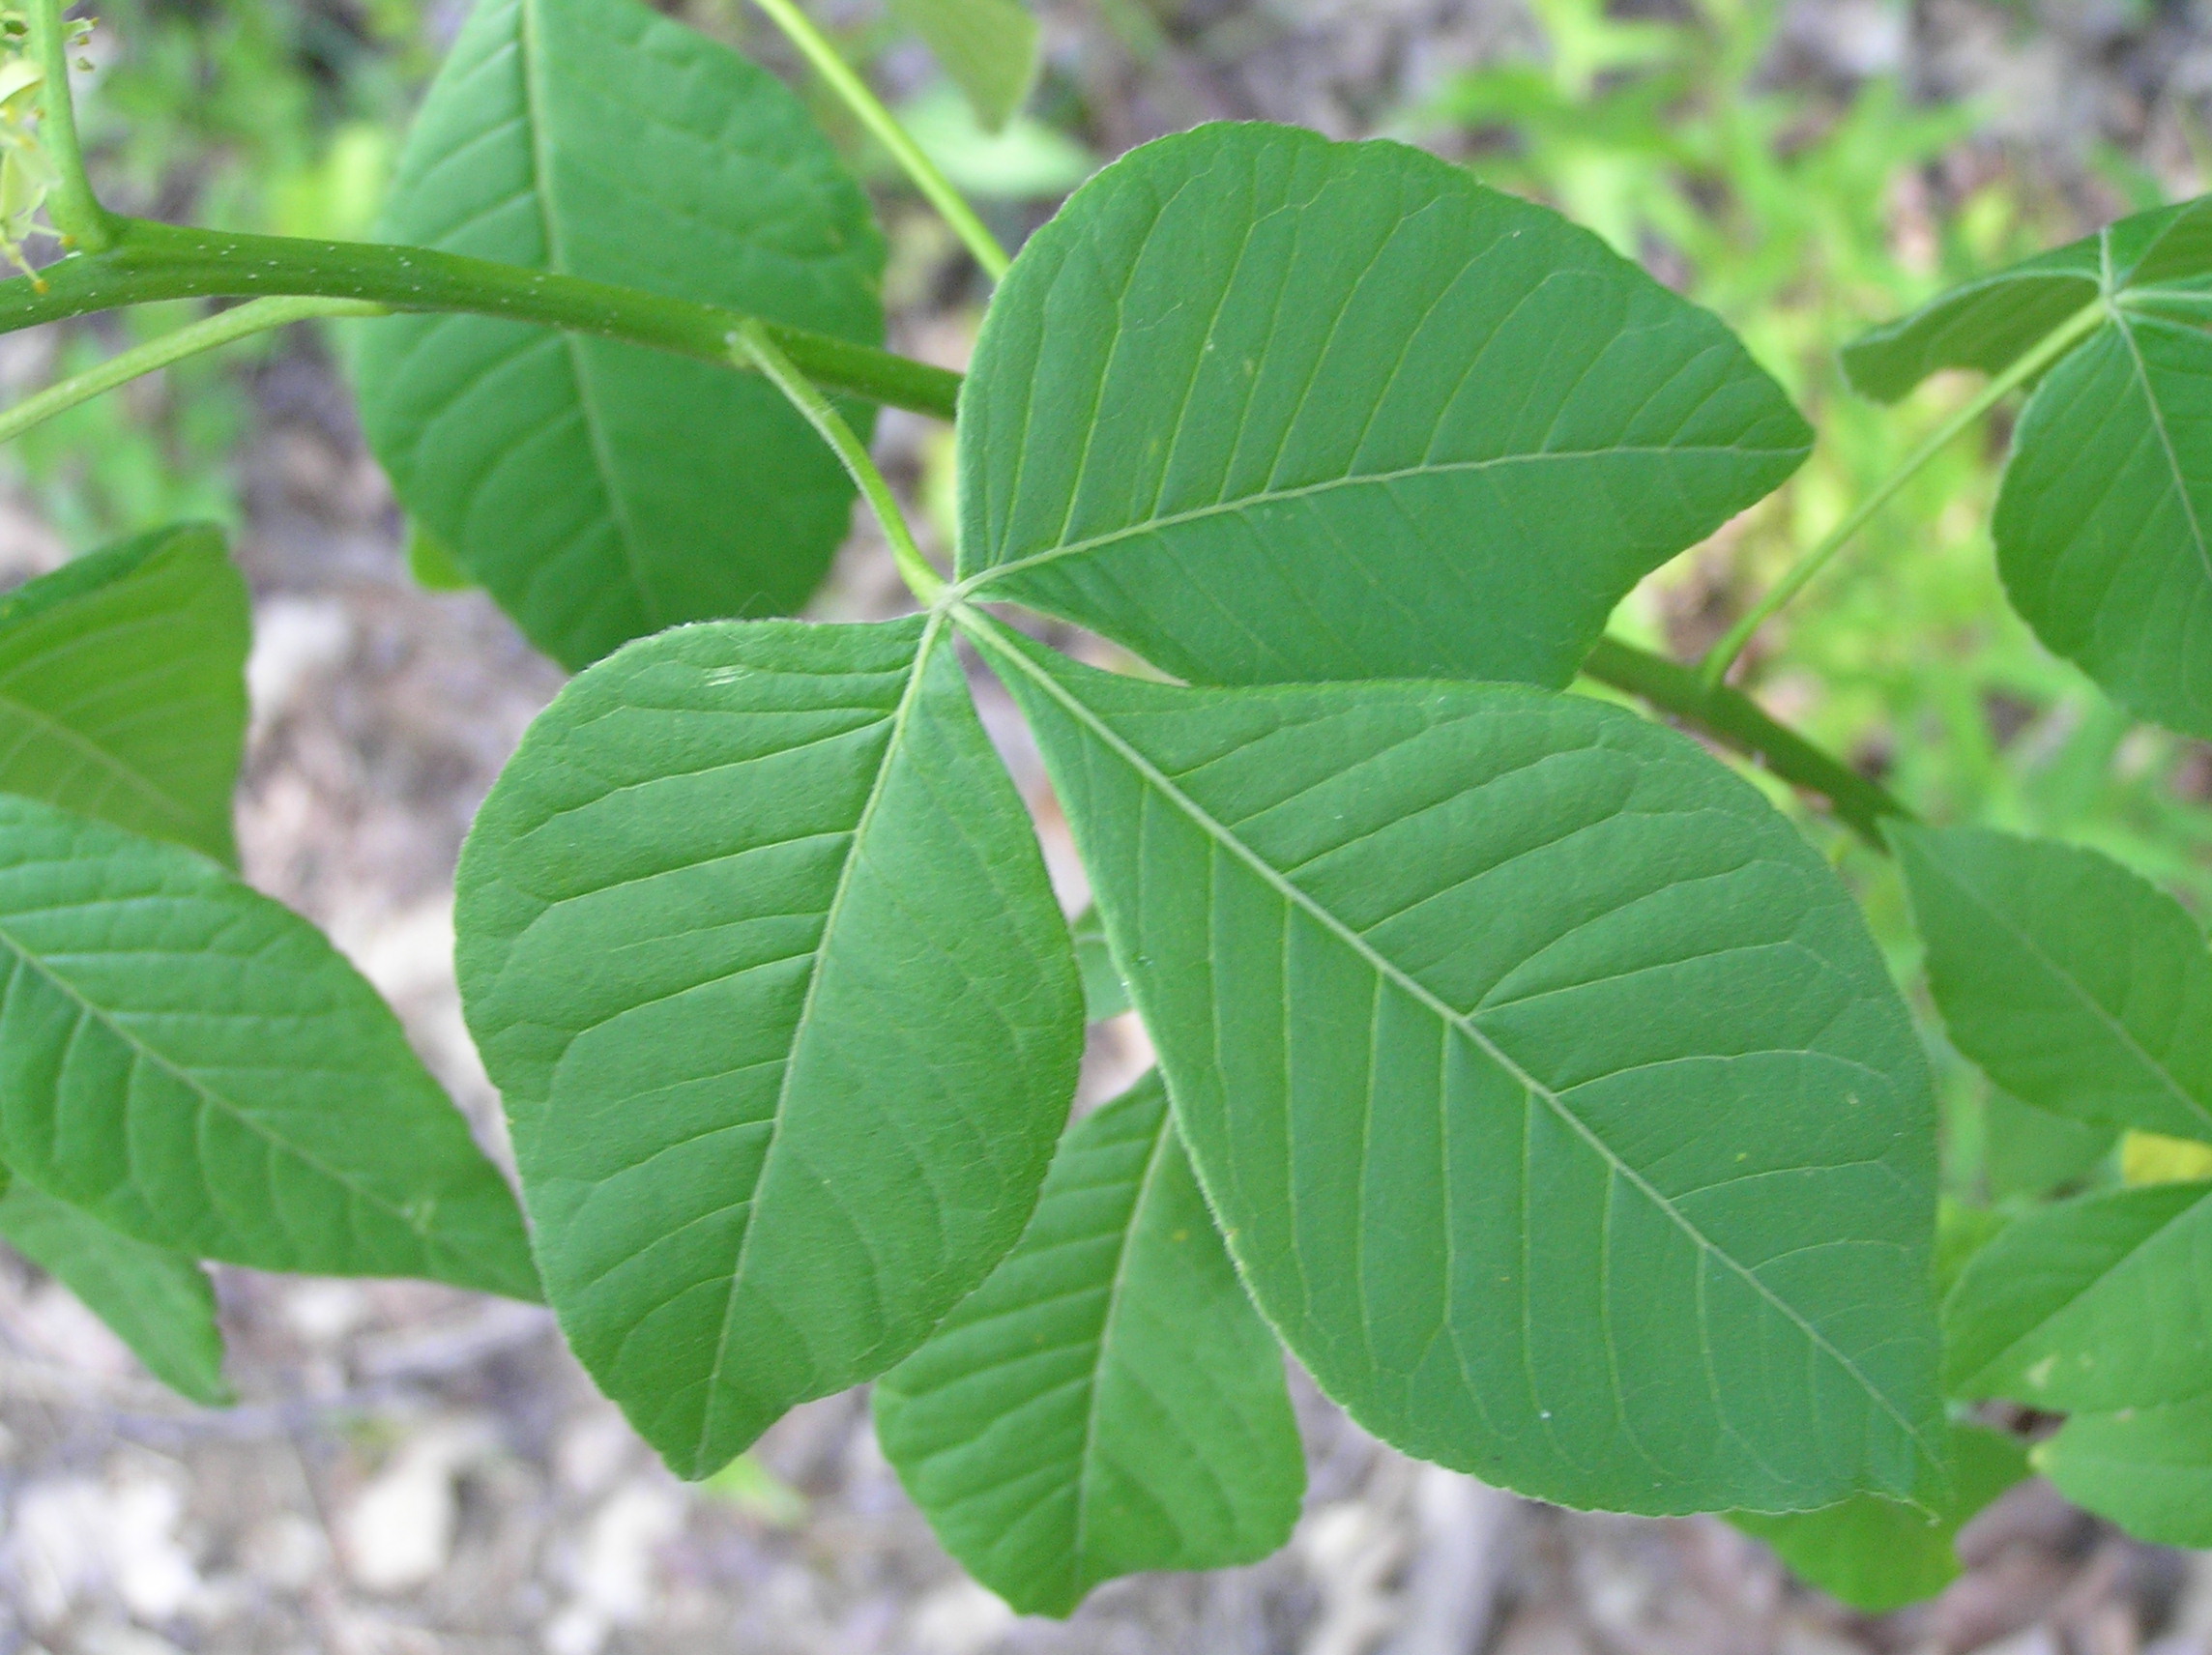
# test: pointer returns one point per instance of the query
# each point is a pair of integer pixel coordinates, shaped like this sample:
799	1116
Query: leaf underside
196	1066
1262	407
803	1101
1108	1401
122	686
1553	1101
601	490
158	1302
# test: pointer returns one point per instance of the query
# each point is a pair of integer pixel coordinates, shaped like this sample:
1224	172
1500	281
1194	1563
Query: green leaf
433	566
1987	324
801	1099
2101	522
1960	1232
989	47
2032	1151
602	490
122	686
1549	1090
1992	320
2076	985
2149	1469
158	1302
1104	994
1264	407
1025	160
2095	1304
1108	1402
196	1066
1877	1554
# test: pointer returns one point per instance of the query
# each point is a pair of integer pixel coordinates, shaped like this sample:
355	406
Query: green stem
149	261
206	335
1738	722
754	346
950	205
75	211
1722	656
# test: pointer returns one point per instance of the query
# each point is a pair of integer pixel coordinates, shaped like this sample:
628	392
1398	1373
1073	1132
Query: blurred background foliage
1802	199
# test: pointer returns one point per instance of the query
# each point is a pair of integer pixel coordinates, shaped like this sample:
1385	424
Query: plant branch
1738	722
1722	656
753	345
149	261
222	328
75	211
934	186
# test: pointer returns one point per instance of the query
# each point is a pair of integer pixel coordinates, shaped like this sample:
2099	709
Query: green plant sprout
1522	1072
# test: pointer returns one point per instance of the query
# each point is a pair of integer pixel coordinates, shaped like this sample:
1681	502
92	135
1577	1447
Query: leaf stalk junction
132	261
1717	660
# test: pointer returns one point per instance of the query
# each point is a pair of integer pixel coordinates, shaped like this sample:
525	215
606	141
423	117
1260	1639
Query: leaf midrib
972	586
236	1112
535	101
982	630
2118	1030
1161	1137
171	806
2006	1357
901	715
2179	479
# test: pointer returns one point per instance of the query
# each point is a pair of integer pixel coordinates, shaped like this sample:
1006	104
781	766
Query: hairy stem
1722	656
75	211
148	261
934	186
240	322
753	345
1735	720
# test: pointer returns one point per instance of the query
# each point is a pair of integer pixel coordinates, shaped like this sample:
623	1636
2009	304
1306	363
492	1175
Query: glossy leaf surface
2149	1469
122	686
1549	1092
1264	407
1108	1401
802	1101
158	1302
1877	1554
601	490
195	1065
2077	985
2095	1304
